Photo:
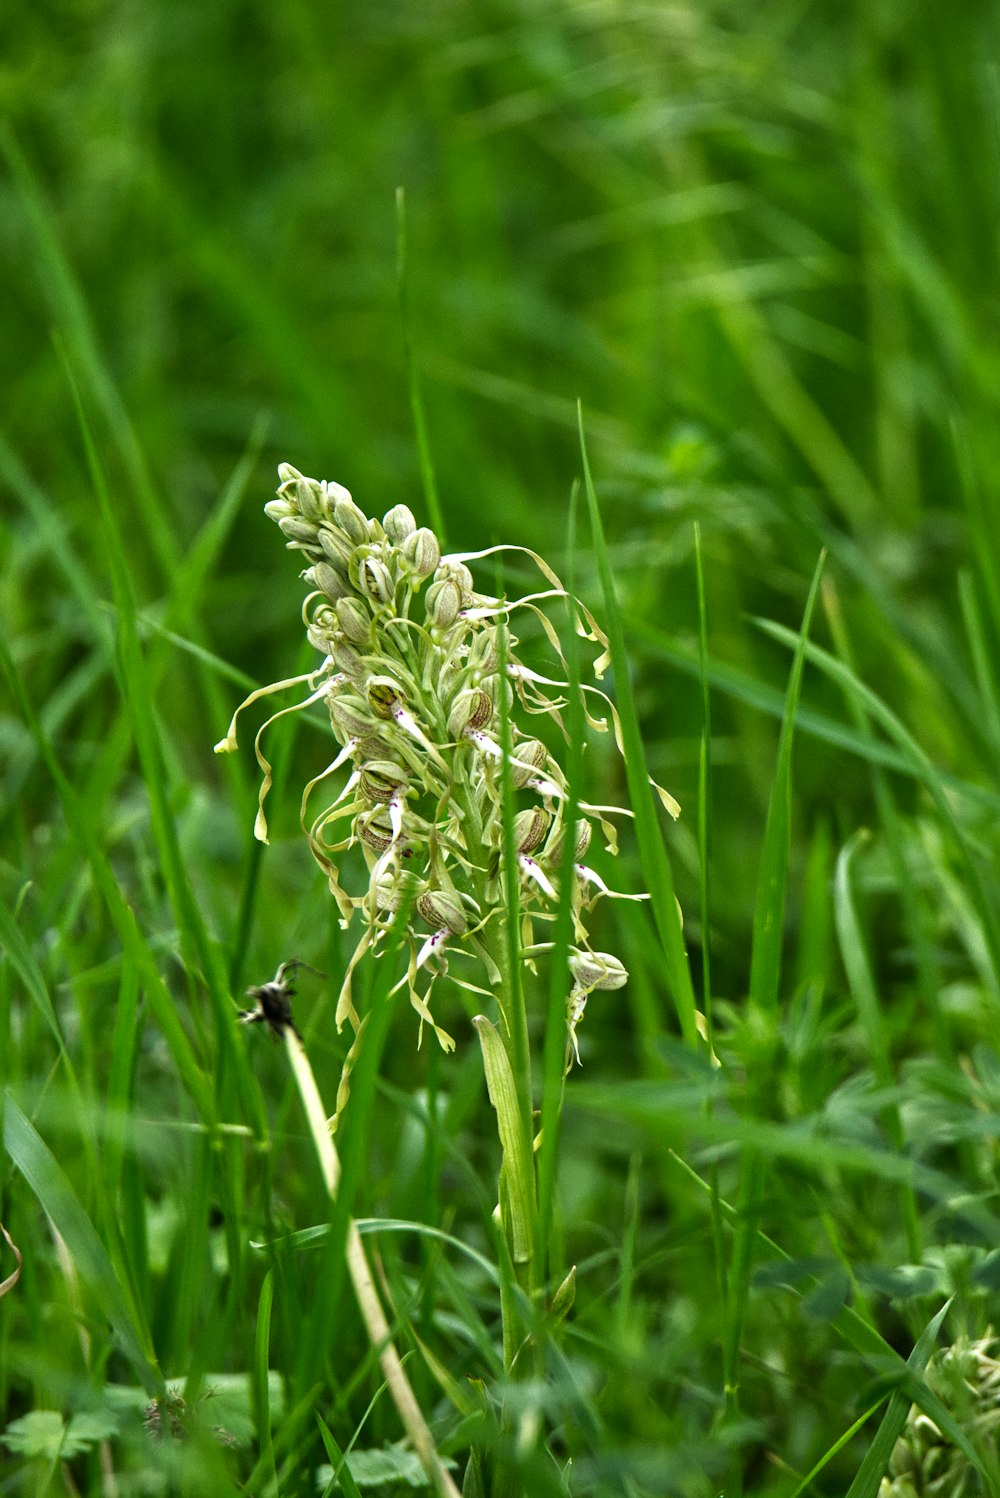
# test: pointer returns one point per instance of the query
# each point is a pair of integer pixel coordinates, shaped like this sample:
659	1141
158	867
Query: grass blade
431	497
44	1175
261	1370
22	960
120	911
876	1461
652	853
922	767
862	984
769	912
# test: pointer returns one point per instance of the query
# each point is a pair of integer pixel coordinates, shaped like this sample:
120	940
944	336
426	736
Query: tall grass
760	250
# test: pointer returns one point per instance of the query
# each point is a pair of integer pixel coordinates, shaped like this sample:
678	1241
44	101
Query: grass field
758	246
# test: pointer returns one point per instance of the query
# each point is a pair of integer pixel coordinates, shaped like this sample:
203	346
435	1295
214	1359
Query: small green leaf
373	1469
39	1434
86	1429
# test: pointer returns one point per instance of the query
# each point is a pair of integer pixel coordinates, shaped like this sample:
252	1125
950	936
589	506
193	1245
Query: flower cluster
423	685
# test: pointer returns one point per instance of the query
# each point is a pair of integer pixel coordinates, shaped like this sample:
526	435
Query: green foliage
391	1467
757	244
44	1433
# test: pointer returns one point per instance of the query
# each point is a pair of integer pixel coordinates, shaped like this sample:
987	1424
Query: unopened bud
393	888
470	711
457	571
279	509
483	655
310	497
444	599
422	551
301	493
327	579
294	528
597	970
554	849
332	492
530	827
371	746
350	715
352	521
347	660
528	759
355	620
398	524
339	549
443	910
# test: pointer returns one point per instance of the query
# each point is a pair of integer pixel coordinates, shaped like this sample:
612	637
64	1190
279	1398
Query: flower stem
369	1304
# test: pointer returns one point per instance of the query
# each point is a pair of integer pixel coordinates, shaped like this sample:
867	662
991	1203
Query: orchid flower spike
410	673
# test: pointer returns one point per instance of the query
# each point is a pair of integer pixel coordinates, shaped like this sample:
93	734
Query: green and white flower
418	668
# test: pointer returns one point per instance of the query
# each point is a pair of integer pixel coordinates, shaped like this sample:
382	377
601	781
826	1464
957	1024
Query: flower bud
347	660
370	747
471	710
444	599
483	655
496	685
350	716
302	494
399	523
529	757
327	579
333	491
355	620
554	847
352	521
530	827
310	497
387	895
293	528
279	509
422	552
443	910
382	780
339	548
457	571
597	970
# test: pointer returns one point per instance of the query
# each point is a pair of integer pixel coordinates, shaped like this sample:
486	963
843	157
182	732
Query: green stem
513	1099
365	1291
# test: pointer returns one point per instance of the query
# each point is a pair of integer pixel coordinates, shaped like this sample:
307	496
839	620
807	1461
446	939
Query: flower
419	671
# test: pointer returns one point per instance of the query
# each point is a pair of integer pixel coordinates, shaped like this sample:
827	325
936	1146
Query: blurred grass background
760	245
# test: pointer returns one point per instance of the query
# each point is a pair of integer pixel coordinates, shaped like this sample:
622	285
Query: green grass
759	250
